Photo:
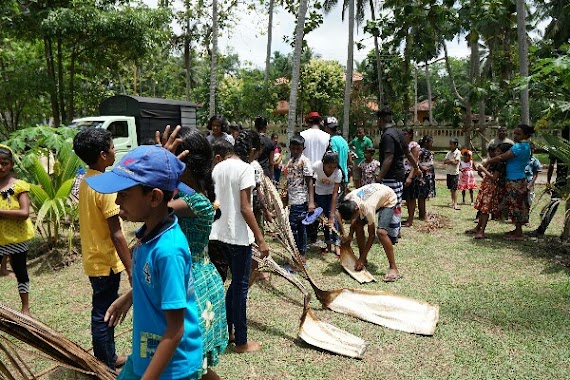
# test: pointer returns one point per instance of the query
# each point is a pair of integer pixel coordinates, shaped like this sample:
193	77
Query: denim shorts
385	215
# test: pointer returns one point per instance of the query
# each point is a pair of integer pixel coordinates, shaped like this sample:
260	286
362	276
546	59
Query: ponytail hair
198	161
247	140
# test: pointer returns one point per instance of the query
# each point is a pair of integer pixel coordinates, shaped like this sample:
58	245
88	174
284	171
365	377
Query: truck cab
123	129
133	120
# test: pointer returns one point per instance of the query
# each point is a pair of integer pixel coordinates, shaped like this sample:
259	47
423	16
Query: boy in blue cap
166	335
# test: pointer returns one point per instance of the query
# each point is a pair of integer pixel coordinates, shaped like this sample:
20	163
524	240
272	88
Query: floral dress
207	281
426	182
466	176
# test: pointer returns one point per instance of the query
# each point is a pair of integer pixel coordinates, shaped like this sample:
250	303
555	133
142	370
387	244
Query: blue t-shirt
517	164
339	145
162	281
532	166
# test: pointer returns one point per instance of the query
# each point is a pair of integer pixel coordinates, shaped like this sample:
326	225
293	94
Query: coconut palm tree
523	59
295	75
214	57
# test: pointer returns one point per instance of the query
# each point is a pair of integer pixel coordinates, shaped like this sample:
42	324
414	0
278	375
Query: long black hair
247	140
199	160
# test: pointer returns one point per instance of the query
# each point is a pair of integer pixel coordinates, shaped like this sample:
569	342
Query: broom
379	307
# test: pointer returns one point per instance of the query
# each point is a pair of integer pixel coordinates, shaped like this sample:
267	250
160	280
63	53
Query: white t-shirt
316	143
370	198
324	184
230	177
453	169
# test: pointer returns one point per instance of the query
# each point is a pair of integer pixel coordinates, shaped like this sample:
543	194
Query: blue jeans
324	202
239	257
296	214
105	291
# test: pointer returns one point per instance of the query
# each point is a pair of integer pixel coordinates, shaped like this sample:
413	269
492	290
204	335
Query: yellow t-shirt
11	230
99	253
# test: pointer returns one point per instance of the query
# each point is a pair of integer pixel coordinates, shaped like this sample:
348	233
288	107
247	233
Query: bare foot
6	272
250	346
392	275
479	235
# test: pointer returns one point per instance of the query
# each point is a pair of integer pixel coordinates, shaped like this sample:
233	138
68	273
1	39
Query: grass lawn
504	309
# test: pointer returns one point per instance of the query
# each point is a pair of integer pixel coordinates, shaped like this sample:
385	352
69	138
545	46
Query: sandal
392	277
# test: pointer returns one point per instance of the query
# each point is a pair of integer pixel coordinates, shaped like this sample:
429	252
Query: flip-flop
392	277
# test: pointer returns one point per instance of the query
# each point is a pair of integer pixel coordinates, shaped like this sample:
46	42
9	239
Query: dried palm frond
348	260
379	307
51	345
311	329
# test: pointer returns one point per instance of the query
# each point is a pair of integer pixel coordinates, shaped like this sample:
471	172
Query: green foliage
51	180
322	85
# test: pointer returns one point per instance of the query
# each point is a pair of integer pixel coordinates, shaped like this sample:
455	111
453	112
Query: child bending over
360	207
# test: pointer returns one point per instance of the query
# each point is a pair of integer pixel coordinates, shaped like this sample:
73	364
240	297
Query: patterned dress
466	176
207	281
426	183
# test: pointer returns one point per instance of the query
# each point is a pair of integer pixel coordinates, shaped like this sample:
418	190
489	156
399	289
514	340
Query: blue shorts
128	373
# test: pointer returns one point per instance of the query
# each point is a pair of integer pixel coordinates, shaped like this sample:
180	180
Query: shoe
120	361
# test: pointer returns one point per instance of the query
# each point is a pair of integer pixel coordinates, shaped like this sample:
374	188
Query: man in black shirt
392	149
265	158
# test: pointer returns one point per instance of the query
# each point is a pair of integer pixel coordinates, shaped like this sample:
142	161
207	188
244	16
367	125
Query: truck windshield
86	124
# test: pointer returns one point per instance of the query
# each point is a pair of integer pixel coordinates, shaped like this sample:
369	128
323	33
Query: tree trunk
71	92
349	70
378	60
415	95
523	59
406	79
214	63
299	35
53	85
269	38
430	105
187	56
61	83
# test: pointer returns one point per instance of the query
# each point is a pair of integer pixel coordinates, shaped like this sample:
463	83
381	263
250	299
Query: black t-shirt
267	148
393	141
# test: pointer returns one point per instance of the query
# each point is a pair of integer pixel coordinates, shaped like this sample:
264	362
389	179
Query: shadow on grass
269	287
550	248
260	326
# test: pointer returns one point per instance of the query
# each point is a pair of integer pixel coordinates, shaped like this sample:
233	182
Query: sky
248	37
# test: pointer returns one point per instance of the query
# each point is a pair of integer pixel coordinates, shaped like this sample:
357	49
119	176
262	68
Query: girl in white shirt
328	177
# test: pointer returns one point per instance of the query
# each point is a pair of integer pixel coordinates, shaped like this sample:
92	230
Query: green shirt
360	146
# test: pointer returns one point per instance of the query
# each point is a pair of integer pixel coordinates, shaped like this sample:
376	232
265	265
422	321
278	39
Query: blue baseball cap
148	165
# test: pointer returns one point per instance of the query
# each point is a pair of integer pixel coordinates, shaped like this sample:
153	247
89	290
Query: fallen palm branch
348	260
51	346
379	307
311	329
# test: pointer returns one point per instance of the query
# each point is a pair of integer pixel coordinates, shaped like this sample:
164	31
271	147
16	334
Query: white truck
133	120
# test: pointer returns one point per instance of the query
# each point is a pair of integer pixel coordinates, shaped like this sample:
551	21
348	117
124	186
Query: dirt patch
433	223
